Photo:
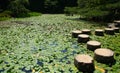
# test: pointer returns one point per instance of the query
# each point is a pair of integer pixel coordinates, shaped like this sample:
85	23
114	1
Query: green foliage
34	14
3	18
51	6
103	10
44	44
4	4
18	9
5	15
36	5
70	10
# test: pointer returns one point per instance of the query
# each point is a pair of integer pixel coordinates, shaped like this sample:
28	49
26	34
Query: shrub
34	14
18	9
5	15
70	10
100	10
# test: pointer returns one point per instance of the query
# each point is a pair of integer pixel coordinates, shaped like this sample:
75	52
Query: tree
51	6
4	4
36	5
18	9
103	10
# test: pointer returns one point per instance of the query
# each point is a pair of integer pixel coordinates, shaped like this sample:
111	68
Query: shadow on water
2	70
39	63
73	53
54	44
64	51
26	71
75	45
64	58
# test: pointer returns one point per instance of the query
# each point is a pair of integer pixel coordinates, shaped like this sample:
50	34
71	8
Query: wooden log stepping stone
109	31
86	31
117	23
84	63
99	32
104	55
92	45
83	38
116	29
111	25
76	33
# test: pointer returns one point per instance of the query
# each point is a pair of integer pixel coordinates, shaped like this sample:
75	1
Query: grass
4	18
44	44
34	14
7	15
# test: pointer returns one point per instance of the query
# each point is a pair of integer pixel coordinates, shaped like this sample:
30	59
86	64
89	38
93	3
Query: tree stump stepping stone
109	31
117	23
111	25
104	55
83	38
99	32
84	63
116	29
76	33
86	31
92	45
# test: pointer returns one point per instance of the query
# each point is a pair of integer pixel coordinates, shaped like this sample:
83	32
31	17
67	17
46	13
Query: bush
70	10
100	10
34	14
18	9
5	15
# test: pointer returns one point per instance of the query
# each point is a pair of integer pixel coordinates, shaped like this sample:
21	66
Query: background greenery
97	10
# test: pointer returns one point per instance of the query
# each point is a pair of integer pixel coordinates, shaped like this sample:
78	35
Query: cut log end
117	23
111	25
92	45
116	29
83	38
109	31
104	52
86	31
99	32
84	63
84	58
76	33
104	55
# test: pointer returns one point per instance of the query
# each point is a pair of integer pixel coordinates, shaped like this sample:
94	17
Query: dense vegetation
22	8
43	44
100	10
97	10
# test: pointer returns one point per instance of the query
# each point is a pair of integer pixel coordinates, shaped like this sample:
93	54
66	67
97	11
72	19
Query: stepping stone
104	55
99	32
109	31
117	23
86	31
83	38
92	45
84	63
76	33
111	25
116	29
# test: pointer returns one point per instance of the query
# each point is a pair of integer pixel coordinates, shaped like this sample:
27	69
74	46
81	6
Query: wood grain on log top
83	35
104	52
93	43
84	58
